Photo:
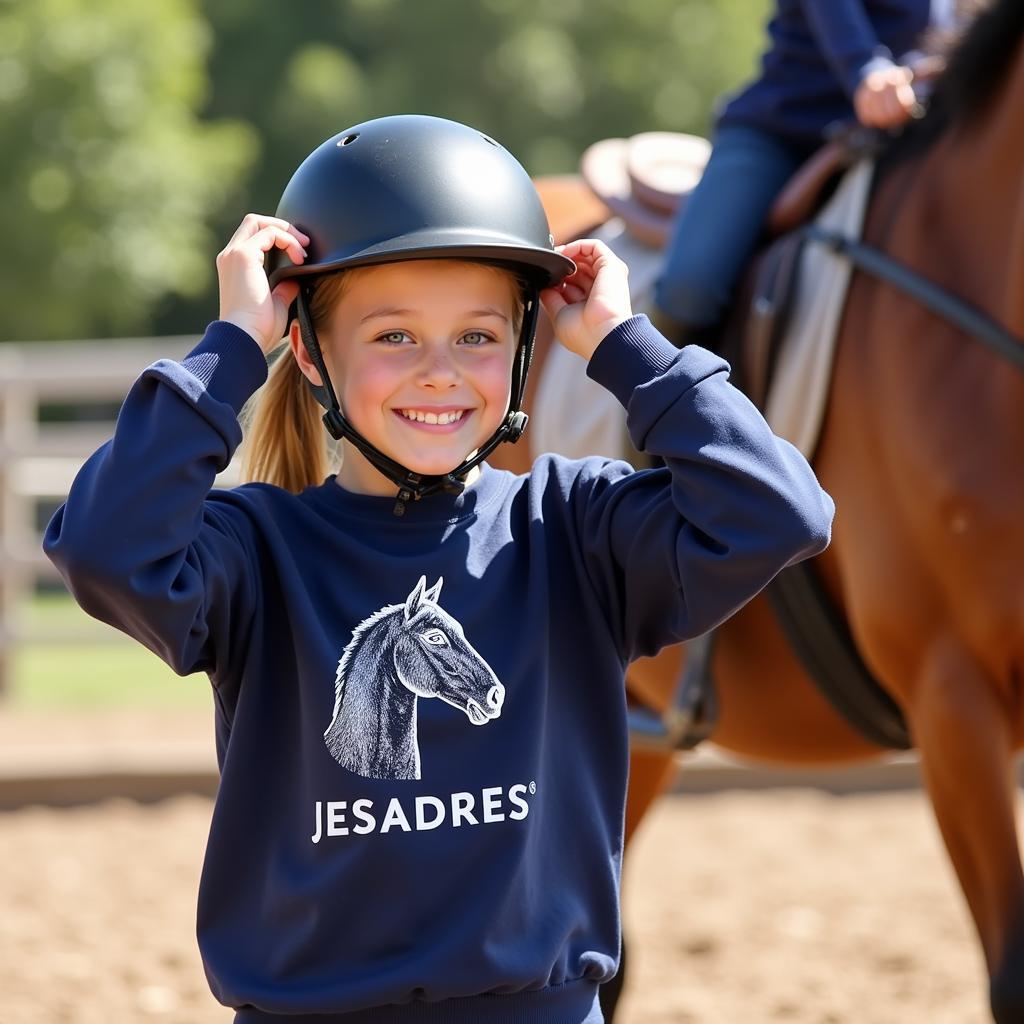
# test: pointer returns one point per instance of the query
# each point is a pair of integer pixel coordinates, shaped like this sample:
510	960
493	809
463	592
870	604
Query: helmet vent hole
487	138
348	139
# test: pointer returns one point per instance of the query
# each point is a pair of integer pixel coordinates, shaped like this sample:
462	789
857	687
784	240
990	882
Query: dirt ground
786	906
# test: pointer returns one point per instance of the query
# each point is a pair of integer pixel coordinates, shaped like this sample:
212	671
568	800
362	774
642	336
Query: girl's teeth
442	418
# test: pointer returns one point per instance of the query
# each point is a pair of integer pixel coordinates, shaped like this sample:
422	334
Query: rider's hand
593	301
885	97
245	296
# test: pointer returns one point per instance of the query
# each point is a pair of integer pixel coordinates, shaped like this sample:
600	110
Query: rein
951	308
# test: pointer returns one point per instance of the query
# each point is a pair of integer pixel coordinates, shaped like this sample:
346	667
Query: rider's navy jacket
819	51
420	720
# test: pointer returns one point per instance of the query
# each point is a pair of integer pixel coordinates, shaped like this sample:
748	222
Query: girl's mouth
434	420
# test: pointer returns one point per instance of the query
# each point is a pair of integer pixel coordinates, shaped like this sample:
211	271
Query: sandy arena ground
742	907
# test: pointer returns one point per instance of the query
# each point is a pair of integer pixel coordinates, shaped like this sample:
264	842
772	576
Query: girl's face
420	354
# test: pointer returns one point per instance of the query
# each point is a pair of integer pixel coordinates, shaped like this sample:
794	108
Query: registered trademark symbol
533	788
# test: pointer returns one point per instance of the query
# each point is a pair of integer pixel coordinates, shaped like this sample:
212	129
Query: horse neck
374	709
957	213
948	411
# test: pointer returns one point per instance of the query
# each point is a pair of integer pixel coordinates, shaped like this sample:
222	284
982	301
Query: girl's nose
439	370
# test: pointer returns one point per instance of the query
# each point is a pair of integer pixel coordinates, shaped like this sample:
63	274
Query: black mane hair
978	62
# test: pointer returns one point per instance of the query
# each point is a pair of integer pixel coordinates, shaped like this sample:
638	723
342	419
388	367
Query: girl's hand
245	296
593	301
885	98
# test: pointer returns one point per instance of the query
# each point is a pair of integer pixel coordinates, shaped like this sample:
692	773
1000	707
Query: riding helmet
416	187
413	187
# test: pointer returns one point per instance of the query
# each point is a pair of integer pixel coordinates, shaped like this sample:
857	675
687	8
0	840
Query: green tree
136	135
109	179
545	79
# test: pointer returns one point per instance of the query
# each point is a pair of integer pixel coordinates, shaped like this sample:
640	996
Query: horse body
401	653
921	449
922	454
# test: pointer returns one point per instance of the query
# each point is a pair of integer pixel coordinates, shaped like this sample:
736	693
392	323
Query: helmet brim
545	266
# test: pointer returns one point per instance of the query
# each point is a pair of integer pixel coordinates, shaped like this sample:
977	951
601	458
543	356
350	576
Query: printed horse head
401	653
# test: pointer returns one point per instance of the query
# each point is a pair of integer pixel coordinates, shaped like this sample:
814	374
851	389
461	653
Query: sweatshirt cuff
631	355
227	365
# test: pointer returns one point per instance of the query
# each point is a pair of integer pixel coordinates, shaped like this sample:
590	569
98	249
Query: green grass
102	673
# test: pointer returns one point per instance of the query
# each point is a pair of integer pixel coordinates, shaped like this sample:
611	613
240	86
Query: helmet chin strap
413	486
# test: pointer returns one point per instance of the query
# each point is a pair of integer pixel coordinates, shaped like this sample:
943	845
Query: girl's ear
305	364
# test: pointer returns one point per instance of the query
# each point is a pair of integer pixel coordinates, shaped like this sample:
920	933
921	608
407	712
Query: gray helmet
416	187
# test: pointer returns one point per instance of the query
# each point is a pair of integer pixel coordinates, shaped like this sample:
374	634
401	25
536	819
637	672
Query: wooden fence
39	459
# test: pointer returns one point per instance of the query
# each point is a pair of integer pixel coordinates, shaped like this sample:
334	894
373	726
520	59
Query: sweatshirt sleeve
137	541
674	551
847	40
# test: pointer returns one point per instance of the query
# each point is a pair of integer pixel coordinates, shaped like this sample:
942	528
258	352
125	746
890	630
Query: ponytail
286	444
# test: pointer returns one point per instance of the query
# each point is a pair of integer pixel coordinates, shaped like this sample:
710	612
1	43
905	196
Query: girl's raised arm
140	541
673	551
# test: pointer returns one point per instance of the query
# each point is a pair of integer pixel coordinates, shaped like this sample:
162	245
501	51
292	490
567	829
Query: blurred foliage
138	135
109	178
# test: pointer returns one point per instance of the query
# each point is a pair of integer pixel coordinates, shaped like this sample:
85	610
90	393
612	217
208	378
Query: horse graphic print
397	655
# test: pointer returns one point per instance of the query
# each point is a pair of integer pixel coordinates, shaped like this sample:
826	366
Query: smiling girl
421	801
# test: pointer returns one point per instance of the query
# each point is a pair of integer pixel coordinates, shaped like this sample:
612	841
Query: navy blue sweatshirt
421	723
819	52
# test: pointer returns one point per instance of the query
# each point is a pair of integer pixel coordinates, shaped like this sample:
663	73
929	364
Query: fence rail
39	459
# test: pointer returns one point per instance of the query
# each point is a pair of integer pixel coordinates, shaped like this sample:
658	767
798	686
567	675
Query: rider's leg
718	227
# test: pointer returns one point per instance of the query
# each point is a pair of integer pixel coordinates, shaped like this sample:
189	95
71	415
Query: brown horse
921	449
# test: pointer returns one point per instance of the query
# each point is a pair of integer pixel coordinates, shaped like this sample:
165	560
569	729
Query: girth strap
819	635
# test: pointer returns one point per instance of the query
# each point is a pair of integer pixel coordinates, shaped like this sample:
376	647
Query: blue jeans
718	227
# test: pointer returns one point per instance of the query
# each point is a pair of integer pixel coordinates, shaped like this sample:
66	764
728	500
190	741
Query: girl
421	722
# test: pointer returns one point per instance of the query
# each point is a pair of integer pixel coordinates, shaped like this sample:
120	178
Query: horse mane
978	61
355	645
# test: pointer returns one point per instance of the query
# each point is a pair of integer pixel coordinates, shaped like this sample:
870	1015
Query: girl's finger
581	279
585	268
552	301
252	249
588	247
252	223
581	249
594	256
574	293
275	238
287	291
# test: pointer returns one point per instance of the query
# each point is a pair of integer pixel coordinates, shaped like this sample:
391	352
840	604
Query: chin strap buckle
404	496
334	423
516	425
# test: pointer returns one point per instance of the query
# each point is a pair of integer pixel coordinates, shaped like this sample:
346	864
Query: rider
373	855
828	61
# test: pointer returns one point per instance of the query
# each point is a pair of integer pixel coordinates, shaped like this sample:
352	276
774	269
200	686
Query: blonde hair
286	443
